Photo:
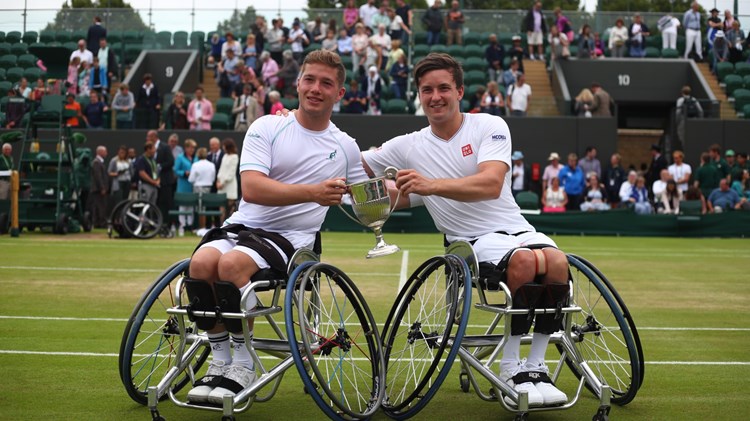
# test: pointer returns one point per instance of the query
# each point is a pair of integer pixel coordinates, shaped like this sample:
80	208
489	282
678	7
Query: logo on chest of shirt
466	150
253	135
332	155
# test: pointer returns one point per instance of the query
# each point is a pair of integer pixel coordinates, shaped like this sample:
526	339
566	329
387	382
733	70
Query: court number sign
623	80
169	71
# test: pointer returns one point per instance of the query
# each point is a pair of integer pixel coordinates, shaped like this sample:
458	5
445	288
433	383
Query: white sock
220	347
511	353
539	344
241	354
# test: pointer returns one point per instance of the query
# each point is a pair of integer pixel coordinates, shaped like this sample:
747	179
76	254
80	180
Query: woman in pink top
360	41
276	105
72	80
269	70
351	15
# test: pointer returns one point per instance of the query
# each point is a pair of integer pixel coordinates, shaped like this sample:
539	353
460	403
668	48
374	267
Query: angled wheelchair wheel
141	219
602	336
430	311
338	354
151	338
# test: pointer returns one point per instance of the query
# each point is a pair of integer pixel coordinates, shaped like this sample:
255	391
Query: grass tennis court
65	301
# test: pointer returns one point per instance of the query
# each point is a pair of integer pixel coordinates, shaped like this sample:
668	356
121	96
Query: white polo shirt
678	172
202	173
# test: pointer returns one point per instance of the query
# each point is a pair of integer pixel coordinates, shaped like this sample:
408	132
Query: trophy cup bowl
372	207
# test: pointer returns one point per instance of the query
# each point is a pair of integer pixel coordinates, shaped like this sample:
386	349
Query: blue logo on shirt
498	137
332	155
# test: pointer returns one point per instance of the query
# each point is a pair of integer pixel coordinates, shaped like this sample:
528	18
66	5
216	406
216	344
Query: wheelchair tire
625	312
338	342
602	336
151	338
141	219
436	299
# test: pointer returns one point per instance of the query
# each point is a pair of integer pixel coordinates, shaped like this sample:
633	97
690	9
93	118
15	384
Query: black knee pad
228	299
555	296
526	296
201	297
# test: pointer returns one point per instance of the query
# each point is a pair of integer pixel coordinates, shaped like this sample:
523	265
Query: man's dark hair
589	148
326	58
439	61
97	19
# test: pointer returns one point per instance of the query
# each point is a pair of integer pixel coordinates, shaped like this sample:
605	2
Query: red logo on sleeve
466	150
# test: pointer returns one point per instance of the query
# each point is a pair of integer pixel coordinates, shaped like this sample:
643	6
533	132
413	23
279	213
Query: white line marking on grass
67	319
404	266
74	269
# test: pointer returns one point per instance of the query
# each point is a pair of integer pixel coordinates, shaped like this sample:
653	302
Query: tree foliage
115	14
519	4
239	22
663	6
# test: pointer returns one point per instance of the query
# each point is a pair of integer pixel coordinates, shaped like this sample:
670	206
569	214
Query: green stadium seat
30	37
474	51
131	37
13	37
742	68
681	43
32	74
114	36
349	76
220	121
652	52
421	50
132	51
347	61
416	59
313	46
471	91
83	100
420	38
197	40
290	103
164	38
396	106
691	207
438	48
733	82
180	40
14	74
80	34
723	69
52	103
62	36
528	200
27	60
19	49
383	104
475	77
38	44
654	41
4	103
2	74
741	99
4	48
224	105
465	106
8	60
746	81
5	86
473	38
456	51
70	45
670	53
386	93
746	111
475	63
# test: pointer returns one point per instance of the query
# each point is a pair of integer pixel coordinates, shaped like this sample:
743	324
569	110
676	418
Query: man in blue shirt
573	181
692	23
724	199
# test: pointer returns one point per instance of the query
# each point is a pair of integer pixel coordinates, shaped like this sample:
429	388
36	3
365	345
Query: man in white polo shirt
82	53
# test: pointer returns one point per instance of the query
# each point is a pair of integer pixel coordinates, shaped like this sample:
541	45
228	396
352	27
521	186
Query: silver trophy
372	207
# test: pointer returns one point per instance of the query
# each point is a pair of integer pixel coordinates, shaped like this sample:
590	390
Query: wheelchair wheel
151	338
431	310
602	336
338	351
141	219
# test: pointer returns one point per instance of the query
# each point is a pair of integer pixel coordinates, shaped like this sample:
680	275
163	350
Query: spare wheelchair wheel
135	219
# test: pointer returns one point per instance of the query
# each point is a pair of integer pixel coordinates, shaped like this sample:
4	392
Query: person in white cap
372	86
551	170
720	50
520	174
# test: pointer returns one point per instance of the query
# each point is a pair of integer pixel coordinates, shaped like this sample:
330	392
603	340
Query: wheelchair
426	330
330	336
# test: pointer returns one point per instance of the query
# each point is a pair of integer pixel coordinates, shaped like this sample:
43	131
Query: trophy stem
381	247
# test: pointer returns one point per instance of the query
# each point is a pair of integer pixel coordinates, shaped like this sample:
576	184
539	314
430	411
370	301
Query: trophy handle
349	216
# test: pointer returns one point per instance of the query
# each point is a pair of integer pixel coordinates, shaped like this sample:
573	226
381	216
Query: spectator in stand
174	144
720	50
148	174
614	178
720	163
72	105
536	28
99	190
680	172
381	18
250	53
394	54
215	154
269	70
350	17
399	76
735	38
230	44
15	109
516	51
433	21
724	199
618	37
559	45
202	177
372	86
366	12
397	28
344	44
670	199
84	76
120	170
519	97
475	102
123	104
573	181
182	165
330	43
360	45
551	170
590	164
554	198
200	111
298	41
637	34
227	74
275	40
520	174
595	196
245	109
639	197
226	176
216	43
404	11
584	103
659	187
738	168
729	157
6	164
714	25
38	92
494	54
93	114
602	101
98	78
95	33
354	101
454	22
381	42
692	23
598	46
694	193
658	163
626	189
259	29
82	53
492	100
707	176
728	19
274	97
72	80
742	187
510	75
23	88
288	75
668	25
148	102
318	30
177	112
586	45
563	24
108	63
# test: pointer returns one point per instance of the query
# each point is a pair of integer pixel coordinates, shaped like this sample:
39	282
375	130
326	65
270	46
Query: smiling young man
291	169
459	165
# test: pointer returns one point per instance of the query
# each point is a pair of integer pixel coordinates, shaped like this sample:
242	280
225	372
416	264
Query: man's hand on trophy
329	192
410	181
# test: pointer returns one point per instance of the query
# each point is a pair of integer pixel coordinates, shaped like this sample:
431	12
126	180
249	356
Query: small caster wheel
463	380
521	417
155	416
228	418
601	415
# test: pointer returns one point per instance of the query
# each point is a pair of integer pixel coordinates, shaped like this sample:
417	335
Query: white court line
268	357
125	270
404	265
